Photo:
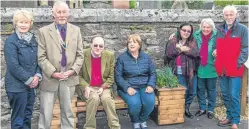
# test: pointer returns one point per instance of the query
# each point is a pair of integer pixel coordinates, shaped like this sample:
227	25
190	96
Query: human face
229	16
133	46
23	26
61	14
206	28
185	32
97	46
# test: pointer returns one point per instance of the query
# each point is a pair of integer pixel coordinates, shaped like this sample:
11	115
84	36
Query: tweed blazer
107	68
50	53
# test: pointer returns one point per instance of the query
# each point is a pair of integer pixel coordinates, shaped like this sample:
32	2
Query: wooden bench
119	104
79	106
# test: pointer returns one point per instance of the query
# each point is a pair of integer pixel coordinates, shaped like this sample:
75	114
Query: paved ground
197	123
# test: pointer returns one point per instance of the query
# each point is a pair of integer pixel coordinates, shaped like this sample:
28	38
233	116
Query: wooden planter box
171	104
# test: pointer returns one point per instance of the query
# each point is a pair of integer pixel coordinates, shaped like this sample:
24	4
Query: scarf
204	48
25	36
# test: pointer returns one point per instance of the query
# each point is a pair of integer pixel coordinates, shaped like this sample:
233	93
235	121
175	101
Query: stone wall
114	25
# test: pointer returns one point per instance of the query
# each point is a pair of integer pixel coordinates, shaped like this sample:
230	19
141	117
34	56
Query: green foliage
133	4
133	28
86	2
149	28
223	3
192	4
8	27
165	78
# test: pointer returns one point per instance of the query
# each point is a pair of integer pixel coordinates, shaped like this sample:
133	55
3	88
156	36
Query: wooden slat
170	121
168	107
55	126
173	111
170	116
170	93
173	97
171	102
244	92
172	89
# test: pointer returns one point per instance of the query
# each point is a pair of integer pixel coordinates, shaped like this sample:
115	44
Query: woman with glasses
135	77
182	53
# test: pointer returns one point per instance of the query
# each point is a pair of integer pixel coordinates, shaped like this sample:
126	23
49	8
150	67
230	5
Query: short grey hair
59	3
209	21
230	7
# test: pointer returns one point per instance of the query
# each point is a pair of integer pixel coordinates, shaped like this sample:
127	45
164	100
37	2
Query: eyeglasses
184	30
100	45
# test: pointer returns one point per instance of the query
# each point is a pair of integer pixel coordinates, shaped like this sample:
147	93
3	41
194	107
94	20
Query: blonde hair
230	7
21	15
136	39
209	21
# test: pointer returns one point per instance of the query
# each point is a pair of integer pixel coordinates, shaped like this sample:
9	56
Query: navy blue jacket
21	63
135	73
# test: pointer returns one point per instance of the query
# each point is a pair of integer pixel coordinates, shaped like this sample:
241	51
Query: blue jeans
21	104
209	85
191	90
230	88
140	105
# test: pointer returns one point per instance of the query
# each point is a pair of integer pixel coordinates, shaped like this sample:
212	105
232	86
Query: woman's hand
34	82
149	89
131	91
185	48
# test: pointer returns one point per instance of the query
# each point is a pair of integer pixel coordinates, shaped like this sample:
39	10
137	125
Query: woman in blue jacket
135	77
23	73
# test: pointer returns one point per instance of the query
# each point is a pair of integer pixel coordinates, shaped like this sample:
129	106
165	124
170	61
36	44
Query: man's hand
149	89
185	48
214	53
59	76
171	36
131	91
88	90
69	73
34	82
100	91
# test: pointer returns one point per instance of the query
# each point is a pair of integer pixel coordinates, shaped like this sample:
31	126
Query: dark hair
179	34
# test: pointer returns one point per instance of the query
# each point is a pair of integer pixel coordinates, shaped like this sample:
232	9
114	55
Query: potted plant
171	98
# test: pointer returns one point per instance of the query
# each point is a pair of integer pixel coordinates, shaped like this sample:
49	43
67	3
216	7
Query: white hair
209	21
230	8
59	3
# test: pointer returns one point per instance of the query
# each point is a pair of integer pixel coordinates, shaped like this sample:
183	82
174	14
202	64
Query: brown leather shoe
234	126
224	123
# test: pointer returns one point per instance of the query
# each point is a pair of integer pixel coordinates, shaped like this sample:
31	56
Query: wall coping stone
126	15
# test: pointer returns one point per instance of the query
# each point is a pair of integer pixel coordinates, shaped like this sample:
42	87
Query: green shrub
223	3
165	78
133	4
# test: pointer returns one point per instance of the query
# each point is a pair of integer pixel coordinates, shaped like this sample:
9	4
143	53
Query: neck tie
63	58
